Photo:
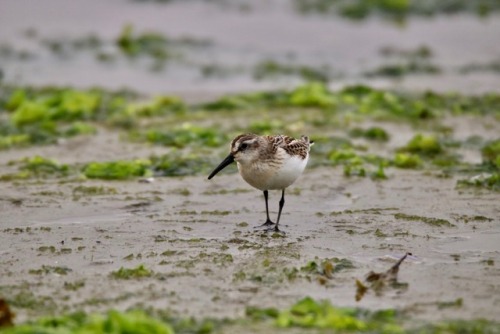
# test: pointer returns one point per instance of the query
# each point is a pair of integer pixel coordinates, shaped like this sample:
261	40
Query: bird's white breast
277	174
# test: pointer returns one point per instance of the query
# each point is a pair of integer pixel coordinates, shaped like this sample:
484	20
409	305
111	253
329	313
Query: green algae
38	167
9	141
23	298
491	153
491	66
44	270
395	10
177	164
309	313
269	69
489	177
132	273
336	265
182	136
133	45
363	100
438	222
427	145
486	181
407	160
460	326
41	166
355	164
373	133
154	45
309	108
112	322
400	69
42	116
116	170
82	190
174	164
428	150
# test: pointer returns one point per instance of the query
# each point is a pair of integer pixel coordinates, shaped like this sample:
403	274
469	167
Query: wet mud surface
60	247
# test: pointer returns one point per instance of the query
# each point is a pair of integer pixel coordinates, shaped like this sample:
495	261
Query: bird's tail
307	140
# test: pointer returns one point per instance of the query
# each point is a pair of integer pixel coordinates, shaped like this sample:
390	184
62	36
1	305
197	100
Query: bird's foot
275	230
267	225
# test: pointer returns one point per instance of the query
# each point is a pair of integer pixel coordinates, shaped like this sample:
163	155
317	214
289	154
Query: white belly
272	177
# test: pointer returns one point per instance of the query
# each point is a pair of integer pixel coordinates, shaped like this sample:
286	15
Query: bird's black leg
282	203
268	220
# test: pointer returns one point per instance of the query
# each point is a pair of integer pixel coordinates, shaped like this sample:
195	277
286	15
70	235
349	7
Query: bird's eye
243	146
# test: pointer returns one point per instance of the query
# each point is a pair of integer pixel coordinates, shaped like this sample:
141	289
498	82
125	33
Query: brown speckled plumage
268	145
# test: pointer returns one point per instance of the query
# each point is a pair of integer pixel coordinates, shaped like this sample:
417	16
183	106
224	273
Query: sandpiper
268	163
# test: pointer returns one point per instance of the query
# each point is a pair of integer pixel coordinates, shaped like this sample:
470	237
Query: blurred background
200	49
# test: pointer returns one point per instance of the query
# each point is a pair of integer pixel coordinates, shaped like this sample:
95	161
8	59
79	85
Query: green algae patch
79	191
311	314
374	133
50	269
427	149
150	44
334	265
407	160
131	273
158	106
9	141
400	69
117	170
460	326
486	181
365	101
312	95
185	135
38	167
64	105
395	10
491	153
356	164
307	315
489	178
269	69
424	144
178	164
42	116
402	62
113	322
41	166
430	221
172	164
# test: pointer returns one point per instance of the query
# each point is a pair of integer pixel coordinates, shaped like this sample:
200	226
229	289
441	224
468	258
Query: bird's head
244	149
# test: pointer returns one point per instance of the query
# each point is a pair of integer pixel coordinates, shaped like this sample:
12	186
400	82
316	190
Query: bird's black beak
229	160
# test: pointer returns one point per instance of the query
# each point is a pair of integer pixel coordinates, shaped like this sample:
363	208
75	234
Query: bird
268	163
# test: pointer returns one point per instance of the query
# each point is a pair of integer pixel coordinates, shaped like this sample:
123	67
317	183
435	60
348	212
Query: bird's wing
292	146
